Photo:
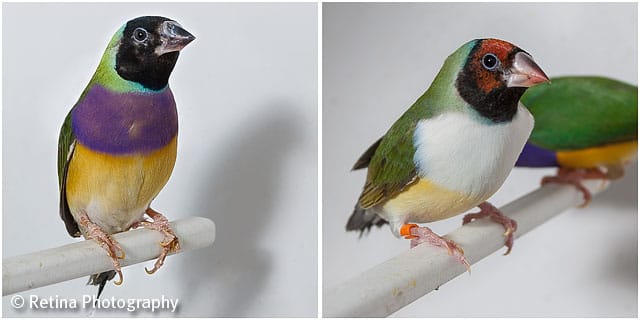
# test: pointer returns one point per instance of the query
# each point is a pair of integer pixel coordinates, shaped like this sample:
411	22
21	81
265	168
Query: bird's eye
490	61
140	34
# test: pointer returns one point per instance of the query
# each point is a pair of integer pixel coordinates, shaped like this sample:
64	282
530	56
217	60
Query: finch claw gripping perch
120	278
106	242
420	235
575	177
488	210
170	242
152	271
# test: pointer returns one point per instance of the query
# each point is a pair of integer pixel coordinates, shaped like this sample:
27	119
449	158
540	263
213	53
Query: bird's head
148	49
494	76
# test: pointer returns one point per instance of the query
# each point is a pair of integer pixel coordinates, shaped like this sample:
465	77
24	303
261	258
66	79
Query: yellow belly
426	202
609	155
116	190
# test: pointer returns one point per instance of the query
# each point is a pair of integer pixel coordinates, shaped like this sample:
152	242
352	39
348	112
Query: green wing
580	112
365	158
391	166
66	143
390	161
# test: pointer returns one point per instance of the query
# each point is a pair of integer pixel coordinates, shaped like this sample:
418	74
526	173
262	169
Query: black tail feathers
100	280
362	220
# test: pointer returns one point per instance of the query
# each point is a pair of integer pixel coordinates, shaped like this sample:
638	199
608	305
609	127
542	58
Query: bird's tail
100	280
363	219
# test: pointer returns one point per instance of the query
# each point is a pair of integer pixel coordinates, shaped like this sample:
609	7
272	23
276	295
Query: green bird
584	125
453	148
117	146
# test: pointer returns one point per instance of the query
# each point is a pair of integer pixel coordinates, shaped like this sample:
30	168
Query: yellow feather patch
115	190
609	155
426	202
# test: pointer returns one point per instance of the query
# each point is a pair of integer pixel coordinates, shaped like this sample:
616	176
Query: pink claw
488	210
419	235
575	177
170	242
106	242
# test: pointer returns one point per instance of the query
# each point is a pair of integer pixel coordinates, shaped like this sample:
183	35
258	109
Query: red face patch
488	61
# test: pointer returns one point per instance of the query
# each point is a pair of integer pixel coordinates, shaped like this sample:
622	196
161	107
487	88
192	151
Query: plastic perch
84	258
395	283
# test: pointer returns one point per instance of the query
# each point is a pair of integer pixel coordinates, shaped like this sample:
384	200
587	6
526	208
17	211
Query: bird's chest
466	154
125	123
115	190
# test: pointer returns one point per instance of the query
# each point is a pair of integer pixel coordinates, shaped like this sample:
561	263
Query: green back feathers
65	140
391	168
390	160
579	112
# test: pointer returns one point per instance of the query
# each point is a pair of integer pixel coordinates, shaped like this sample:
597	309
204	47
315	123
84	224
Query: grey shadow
622	192
239	197
622	265
623	258
621	268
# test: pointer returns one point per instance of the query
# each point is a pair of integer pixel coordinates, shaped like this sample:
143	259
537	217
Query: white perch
84	258
395	283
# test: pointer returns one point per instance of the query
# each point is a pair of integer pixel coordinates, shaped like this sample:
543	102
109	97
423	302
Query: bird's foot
170	242
106	242
488	210
575	177
140	223
419	235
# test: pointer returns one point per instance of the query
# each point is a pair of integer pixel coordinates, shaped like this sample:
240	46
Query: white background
379	58
246	91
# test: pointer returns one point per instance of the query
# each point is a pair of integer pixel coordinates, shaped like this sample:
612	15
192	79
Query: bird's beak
525	72
173	37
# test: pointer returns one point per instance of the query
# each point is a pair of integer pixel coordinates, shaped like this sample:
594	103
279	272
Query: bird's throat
498	105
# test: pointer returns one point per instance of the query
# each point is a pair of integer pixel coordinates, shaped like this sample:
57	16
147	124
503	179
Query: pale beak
525	72
173	37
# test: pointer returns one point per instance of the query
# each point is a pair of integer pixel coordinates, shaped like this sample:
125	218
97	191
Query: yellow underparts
115	190
609	155
426	202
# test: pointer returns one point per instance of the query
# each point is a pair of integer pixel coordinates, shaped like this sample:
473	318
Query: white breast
466	153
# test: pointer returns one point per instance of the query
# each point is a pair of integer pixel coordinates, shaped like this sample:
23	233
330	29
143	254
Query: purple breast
534	156
125	123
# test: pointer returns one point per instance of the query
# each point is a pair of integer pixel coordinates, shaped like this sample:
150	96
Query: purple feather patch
125	123
534	156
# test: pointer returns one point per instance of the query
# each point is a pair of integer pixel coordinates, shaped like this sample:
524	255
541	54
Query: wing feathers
66	145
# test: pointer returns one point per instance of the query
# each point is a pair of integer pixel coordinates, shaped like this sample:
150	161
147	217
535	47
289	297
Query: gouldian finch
583	125
117	146
453	148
